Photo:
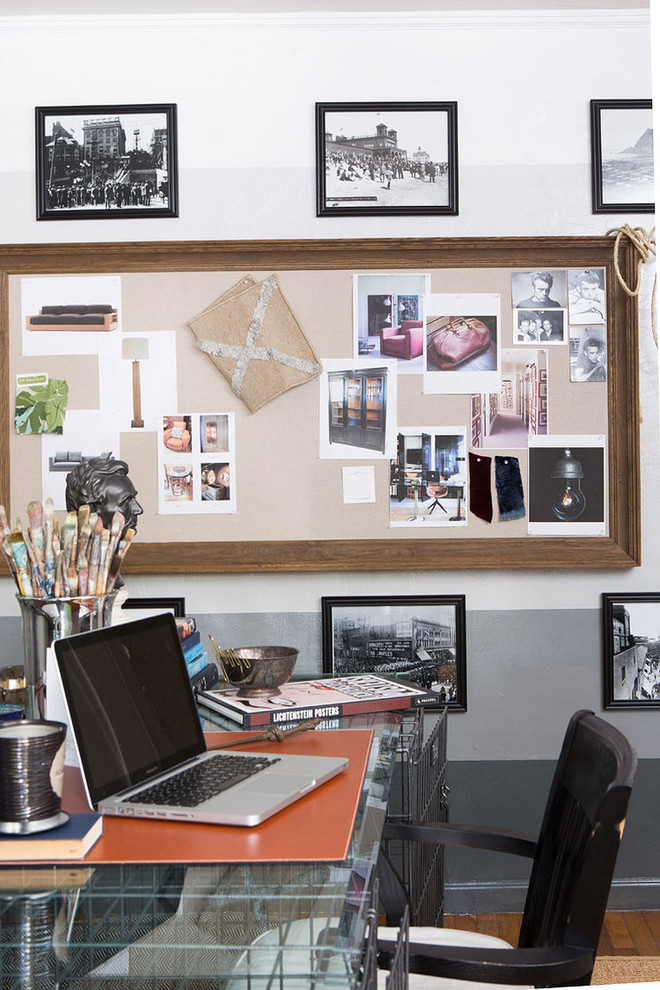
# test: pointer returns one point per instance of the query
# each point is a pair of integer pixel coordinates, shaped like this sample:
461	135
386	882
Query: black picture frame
393	635
613	172
336	191
86	168
631	657
177	605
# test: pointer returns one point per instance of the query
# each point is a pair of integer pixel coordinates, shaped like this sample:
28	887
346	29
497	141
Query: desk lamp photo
569	502
136	349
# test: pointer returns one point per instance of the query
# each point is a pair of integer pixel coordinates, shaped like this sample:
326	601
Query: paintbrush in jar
6	545
83	574
35	529
49	555
122	549
95	556
36	568
102	574
70	538
20	554
116	528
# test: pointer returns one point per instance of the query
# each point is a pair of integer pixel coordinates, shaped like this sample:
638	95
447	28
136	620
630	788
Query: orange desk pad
318	827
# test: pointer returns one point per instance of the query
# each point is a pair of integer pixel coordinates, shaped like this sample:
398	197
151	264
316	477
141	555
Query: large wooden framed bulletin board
376	315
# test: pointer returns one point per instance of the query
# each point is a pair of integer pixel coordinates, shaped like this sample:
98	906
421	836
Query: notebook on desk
139	739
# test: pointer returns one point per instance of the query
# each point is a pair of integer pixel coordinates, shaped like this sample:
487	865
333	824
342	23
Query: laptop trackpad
279	783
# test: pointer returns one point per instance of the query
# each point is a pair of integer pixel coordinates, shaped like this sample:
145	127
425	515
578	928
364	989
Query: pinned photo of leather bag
463	338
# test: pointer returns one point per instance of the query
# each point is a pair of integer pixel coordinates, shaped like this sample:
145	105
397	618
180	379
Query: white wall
245	87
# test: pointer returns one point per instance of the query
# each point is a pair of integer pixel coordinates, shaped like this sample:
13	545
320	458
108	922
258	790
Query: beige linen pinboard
290	512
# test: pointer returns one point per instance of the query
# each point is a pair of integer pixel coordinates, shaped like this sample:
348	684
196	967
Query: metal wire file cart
419	793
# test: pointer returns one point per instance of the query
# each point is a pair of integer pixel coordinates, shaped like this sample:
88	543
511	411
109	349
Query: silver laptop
140	742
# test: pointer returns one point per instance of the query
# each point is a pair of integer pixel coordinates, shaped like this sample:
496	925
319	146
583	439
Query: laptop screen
130	702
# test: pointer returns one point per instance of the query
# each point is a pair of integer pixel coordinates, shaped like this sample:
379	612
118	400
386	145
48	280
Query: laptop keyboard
203	781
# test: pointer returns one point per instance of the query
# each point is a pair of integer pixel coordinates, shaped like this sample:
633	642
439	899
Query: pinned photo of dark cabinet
357	407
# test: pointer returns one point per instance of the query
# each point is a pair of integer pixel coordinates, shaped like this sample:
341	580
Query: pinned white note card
359	484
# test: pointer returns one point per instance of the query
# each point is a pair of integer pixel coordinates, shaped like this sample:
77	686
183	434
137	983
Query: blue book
192	654
197	665
190	641
72	840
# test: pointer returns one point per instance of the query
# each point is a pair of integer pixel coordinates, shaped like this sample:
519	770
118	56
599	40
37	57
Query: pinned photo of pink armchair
405	341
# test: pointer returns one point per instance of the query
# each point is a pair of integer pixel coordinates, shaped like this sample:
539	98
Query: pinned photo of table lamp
136	349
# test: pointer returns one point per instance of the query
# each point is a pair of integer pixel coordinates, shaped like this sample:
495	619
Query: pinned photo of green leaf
41	404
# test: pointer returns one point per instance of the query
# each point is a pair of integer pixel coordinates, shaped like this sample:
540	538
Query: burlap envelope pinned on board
255	341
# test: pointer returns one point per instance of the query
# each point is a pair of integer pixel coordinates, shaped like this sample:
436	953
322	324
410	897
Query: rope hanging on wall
644	242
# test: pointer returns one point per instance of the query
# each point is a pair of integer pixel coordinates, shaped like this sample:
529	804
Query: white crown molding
564	19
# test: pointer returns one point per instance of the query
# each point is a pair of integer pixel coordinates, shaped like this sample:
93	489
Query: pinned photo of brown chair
405	341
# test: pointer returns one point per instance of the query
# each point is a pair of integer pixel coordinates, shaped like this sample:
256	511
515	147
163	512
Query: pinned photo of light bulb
569	502
567	485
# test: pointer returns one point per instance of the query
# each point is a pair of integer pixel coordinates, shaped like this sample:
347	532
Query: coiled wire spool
31	775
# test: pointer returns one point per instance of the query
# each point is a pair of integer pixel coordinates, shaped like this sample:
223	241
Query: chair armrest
386	332
453	834
548	965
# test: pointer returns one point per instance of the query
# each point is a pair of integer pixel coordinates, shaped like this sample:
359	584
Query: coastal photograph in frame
622	156
419	639
631	650
106	162
386	158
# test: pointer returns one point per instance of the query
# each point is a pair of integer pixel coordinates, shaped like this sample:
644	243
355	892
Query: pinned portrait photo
540	289
588	354
586	295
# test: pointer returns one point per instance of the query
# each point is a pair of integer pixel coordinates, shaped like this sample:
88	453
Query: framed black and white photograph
622	156
177	606
631	650
386	158
106	162
420	639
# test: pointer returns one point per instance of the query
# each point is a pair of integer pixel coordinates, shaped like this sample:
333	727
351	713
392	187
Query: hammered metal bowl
259	671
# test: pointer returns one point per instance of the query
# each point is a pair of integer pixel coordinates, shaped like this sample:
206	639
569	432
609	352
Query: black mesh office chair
574	858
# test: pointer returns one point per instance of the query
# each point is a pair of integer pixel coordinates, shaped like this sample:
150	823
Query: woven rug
626	969
255	341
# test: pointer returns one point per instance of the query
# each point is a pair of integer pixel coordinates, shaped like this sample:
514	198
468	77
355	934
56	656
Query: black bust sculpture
104	485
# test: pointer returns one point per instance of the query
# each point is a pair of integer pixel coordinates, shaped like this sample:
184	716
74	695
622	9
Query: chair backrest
579	837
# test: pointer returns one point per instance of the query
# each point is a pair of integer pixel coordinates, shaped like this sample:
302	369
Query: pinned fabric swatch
508	482
255	341
481	500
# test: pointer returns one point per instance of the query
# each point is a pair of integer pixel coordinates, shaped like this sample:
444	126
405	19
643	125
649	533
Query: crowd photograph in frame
419	639
177	606
631	650
386	158
106	162
622	156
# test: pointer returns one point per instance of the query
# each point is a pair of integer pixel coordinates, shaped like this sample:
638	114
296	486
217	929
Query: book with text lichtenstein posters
332	697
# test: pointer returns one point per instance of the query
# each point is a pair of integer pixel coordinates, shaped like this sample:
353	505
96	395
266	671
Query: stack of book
327	698
203	673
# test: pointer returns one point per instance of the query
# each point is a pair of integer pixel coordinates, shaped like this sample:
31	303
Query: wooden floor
625	933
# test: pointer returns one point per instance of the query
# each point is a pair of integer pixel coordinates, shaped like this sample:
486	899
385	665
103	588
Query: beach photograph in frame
386	158
622	156
106	162
419	639
631	650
